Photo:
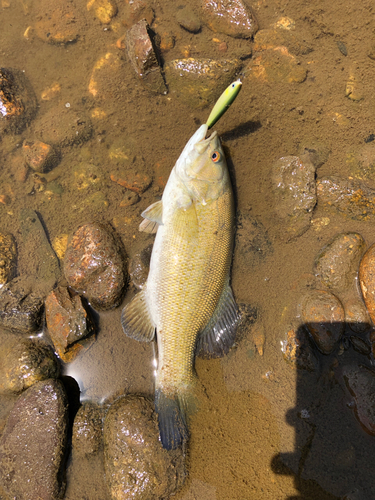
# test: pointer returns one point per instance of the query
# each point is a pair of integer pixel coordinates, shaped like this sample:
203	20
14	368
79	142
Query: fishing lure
223	103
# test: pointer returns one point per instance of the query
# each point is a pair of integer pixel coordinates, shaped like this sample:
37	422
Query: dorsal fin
136	319
219	334
153	216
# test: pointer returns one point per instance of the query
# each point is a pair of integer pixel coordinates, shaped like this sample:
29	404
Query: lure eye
215	156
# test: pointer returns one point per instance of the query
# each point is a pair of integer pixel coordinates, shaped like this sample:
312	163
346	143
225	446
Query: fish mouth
203	140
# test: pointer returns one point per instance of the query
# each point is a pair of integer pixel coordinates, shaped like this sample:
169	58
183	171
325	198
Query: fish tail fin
172	417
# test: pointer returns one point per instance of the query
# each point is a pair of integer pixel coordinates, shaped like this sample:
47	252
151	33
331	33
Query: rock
362	163
278	37
136	464
17	101
195	81
139	266
94	265
88	176
297	350
43	266
21	308
87	429
23	362
129	199
106	74
352	198
187	18
142	55
231	17
360	345
367	280
136	10
62	25
323	315
33	443
356	314
39	156
293	183
132	178
61	126
275	65
104	10
253	244
360	381
337	263
68	322
8	258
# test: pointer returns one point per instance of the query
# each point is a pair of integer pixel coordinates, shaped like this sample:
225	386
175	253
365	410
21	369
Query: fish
187	301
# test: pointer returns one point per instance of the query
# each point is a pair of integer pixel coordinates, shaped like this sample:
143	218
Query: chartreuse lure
223	103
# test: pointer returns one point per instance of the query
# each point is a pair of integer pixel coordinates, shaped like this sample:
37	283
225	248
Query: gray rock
293	182
33	443
88	429
136	464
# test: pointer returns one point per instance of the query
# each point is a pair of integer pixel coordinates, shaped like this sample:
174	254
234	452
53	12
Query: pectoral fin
153	216
136	319
219	334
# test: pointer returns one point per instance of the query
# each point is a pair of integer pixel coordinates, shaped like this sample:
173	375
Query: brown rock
104	10
106	77
367	280
139	266
68	322
61	25
272	38
94	265
142	55
323	316
87	429
351	198
187	18
231	17
297	349
133	180
33	443
275	65
136	464
8	257
39	156
136	10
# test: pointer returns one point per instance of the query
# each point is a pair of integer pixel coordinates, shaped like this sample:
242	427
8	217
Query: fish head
202	166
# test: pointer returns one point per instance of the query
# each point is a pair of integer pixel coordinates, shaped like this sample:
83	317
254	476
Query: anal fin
136	319
220	332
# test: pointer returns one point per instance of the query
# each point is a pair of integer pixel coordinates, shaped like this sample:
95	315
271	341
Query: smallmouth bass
187	299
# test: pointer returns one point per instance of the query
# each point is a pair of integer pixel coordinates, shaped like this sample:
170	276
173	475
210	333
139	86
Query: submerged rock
188	19
361	383
275	65
136	10
279	37
61	25
367	280
88	429
136	464
8	258
195	81
40	156
33	444
297	349
139	266
94	265
231	17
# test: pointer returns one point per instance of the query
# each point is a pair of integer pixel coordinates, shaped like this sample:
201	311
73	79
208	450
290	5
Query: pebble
94	265
323	315
360	381
130	198
367	280
351	198
68	322
231	17
297	350
62	25
294	189
275	65
142	55
31	462
136	464
362	162
337	263
194	81
278	37
139	266
87	429
40	156
88	176
188	19
18	102
23	362
104	10
136	10
8	258
131	178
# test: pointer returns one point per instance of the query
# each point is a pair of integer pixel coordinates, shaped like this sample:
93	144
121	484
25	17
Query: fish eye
215	156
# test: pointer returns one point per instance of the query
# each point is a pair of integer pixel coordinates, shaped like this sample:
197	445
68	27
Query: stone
360	345
294	189
69	323
21	308
352	198
87	429
129	199
323	316
360	381
356	314
275	65
23	362
143	57
367	280
188	19
39	156
277	37
194	81
8	258
362	163
94	265
136	464
106	73
136	10
139	266
33	443
88	176
337	262
231	17
104	10
297	350
17	101
62	25
132	179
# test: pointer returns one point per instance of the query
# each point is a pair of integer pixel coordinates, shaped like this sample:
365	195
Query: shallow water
247	441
